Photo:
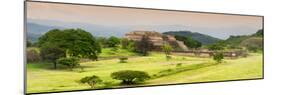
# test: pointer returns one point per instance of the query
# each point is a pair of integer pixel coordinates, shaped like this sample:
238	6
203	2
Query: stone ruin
157	39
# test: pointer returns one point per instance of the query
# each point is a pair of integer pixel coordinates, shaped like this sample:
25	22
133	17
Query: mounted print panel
77	47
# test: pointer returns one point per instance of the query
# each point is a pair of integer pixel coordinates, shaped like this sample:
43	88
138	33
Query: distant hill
237	40
34	31
204	39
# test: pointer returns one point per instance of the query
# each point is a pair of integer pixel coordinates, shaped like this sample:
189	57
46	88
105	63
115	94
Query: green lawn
42	78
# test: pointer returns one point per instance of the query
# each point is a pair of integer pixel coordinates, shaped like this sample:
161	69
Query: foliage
130	76
189	42
123	59
179	65
126	43
217	46
132	46
167	49
218	57
33	55
74	42
51	54
253	44
144	45
237	40
259	33
113	41
102	41
70	62
202	38
249	67
28	43
91	80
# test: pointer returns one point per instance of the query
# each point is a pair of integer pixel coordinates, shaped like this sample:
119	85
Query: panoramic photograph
74	47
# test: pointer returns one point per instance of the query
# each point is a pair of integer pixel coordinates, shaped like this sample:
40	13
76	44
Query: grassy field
42	78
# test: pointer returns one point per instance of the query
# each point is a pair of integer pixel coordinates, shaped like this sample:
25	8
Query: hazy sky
112	16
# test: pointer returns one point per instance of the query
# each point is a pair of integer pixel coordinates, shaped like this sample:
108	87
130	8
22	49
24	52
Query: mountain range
34	31
36	28
204	39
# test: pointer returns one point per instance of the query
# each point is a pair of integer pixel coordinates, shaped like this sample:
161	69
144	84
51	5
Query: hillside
237	40
34	31
204	39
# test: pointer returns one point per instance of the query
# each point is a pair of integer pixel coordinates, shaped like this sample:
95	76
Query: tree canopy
74	42
113	41
130	76
259	33
217	46
167	48
144	45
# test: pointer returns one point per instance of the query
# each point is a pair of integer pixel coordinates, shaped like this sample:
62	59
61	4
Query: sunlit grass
42	78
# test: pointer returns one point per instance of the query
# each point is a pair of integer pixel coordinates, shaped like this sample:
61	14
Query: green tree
32	55
218	57
102	41
113	41
130	76
74	42
126	43
217	46
259	33
70	62
91	80
144	45
51	54
167	49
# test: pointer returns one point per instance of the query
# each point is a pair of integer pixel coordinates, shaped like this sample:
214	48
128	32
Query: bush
33	55
218	57
91	80
179	65
130	77
69	62
108	84
168	57
167	48
123	59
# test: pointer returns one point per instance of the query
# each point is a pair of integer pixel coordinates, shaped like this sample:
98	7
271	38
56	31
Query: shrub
130	76
107	84
179	65
168	57
218	57
33	55
91	80
124	43
123	59
167	50
69	62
